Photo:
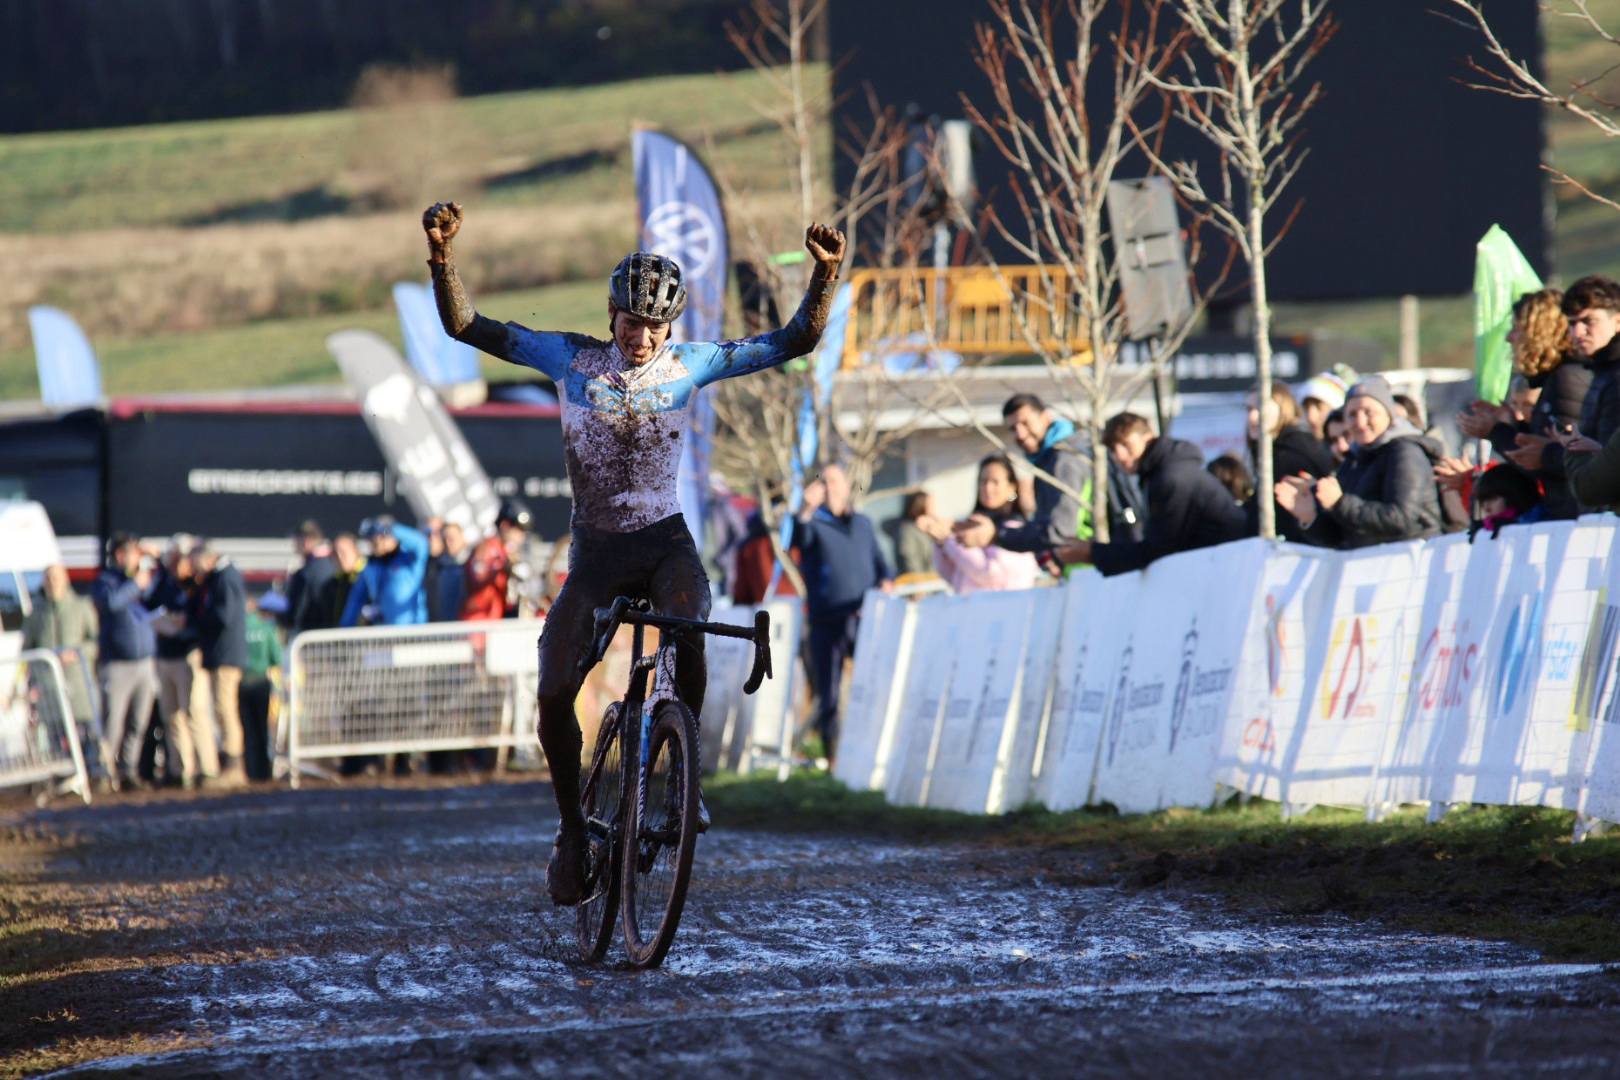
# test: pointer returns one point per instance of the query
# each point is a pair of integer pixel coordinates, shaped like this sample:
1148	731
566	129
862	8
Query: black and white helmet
648	286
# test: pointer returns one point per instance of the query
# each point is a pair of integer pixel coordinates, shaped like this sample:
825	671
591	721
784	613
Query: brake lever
762	652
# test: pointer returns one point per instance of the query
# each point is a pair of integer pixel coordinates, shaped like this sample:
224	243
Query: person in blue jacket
389	591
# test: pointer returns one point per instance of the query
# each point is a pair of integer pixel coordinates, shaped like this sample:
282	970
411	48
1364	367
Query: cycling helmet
648	286
514	512
373	527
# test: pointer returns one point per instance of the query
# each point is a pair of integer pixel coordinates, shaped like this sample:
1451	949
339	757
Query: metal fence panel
398	689
39	741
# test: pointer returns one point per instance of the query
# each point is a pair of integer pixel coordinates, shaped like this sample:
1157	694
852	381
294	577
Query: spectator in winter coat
189	729
259	676
220	605
1592	306
334	594
1384	491
970	570
1543	356
493	563
1336	437
1187	507
1506	495
446	579
389	588
65	622
841	560
756	563
126	646
915	549
1294	452
1062	513
304	589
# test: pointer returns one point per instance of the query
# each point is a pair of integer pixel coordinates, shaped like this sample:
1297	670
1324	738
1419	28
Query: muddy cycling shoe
703	814
565	874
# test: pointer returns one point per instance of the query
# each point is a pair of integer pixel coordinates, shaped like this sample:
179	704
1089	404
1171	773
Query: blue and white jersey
623	425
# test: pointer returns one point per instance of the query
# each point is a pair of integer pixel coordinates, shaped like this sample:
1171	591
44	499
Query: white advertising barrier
1536	746
1184	632
1018	767
1428	735
1597	706
741	731
978	728
1087	673
1275	678
870	721
935	656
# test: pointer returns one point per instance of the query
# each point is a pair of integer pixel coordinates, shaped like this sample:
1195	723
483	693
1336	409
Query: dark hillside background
102	63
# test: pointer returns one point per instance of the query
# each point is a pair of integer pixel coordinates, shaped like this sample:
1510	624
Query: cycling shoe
565	874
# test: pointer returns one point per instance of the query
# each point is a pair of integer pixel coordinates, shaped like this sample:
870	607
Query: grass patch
1501	873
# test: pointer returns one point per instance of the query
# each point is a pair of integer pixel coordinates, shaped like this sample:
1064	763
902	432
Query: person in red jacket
489	571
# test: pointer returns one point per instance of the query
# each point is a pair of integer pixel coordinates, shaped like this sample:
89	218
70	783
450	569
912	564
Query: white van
27	547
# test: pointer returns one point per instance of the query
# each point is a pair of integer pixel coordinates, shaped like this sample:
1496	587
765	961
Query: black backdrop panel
255	474
1407	169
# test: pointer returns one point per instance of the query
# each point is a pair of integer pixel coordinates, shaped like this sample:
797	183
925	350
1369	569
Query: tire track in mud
402	931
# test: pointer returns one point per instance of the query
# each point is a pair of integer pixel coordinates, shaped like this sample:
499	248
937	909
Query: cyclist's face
639	339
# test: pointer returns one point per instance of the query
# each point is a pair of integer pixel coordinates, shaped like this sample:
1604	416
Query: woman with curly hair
1542	354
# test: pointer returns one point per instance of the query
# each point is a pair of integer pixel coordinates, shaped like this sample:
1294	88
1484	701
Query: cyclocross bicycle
640	796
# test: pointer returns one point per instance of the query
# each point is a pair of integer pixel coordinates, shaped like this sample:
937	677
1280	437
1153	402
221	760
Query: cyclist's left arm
728	359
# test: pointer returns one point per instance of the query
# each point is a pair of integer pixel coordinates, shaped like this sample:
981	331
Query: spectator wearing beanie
1384	491
1294	452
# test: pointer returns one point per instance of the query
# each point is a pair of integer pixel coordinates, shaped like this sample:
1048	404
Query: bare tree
1065	146
1503	73
760	418
1238	85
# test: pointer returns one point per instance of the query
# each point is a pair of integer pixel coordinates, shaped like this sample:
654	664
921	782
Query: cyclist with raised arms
625	409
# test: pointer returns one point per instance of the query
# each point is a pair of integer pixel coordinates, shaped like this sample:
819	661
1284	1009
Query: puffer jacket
1059	517
1389	493
1564	391
1294	452
1594	479
1187	509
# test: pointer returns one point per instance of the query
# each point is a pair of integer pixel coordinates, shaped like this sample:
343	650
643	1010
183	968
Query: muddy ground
401	931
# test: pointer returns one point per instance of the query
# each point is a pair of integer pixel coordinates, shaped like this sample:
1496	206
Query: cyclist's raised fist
825	244
441	221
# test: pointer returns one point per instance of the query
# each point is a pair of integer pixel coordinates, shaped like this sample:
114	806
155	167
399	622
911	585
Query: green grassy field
1504	873
548	173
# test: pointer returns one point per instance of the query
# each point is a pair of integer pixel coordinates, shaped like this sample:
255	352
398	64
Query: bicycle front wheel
661	837
601	799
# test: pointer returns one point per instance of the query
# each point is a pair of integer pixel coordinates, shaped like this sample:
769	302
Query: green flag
1501	276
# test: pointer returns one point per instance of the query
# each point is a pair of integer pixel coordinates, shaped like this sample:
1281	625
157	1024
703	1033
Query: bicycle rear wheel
662	836
602	802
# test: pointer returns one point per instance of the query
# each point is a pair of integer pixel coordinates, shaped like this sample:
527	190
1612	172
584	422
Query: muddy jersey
623	425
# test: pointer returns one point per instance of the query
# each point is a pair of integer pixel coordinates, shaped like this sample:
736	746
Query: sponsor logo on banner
1342	691
1192	715
1597	662
1445	668
1122	693
1512	669
1276	644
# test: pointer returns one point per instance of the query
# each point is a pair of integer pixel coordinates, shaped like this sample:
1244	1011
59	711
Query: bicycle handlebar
639	613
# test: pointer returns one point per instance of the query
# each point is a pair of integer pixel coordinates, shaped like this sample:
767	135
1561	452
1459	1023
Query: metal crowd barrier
401	689
39	740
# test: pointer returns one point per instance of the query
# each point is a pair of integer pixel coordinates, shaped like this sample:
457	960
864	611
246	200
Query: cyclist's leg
565	641
680	587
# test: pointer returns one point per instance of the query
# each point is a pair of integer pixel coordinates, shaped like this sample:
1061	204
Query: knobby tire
600	799
661	837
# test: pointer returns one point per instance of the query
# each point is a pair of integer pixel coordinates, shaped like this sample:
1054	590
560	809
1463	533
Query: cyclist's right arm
546	353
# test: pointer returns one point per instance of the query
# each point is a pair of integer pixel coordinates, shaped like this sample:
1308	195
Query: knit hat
1327	388
1377	388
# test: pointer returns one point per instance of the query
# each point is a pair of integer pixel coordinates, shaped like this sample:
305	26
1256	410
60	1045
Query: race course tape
1440	671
